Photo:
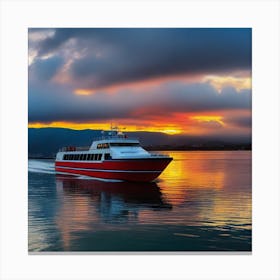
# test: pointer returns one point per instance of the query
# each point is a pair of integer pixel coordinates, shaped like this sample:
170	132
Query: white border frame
17	16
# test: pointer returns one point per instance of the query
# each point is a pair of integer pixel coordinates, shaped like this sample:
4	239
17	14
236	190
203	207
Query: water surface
201	202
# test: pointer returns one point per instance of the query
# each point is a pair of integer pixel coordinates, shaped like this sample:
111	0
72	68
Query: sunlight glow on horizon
105	126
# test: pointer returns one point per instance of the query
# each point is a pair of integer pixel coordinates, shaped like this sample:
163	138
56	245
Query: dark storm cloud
51	103
45	69
240	121
113	56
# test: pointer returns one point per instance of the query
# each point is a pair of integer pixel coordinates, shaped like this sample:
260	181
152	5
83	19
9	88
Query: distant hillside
45	142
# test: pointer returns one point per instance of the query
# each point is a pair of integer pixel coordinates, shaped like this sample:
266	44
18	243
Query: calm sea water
201	202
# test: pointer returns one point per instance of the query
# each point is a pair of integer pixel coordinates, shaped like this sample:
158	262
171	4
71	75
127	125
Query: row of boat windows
85	157
106	145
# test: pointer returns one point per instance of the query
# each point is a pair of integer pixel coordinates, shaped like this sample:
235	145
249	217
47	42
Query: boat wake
84	177
39	166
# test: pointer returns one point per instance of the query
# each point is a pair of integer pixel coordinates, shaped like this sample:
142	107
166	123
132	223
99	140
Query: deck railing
116	137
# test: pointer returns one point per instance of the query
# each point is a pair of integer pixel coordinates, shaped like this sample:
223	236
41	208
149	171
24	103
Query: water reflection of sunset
191	172
74	213
206	178
91	205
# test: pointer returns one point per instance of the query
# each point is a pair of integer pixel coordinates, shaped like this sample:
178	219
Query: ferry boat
112	156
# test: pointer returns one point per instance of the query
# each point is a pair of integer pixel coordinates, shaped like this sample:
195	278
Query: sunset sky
188	81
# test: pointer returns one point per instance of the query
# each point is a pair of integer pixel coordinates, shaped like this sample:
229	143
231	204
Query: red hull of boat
141	170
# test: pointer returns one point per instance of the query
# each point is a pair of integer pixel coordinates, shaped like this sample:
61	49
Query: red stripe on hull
126	176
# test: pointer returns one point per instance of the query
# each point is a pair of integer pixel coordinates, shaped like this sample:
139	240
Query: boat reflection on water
113	201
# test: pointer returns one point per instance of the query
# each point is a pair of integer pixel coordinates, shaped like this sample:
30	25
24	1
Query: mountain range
45	142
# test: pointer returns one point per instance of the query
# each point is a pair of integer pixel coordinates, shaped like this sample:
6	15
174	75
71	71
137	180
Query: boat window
103	146
107	156
99	157
124	144
88	156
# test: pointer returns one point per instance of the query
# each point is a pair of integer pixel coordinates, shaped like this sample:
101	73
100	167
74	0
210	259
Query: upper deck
108	139
106	142
113	146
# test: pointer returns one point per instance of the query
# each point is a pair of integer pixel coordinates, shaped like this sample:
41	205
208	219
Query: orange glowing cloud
81	91
219	82
218	119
